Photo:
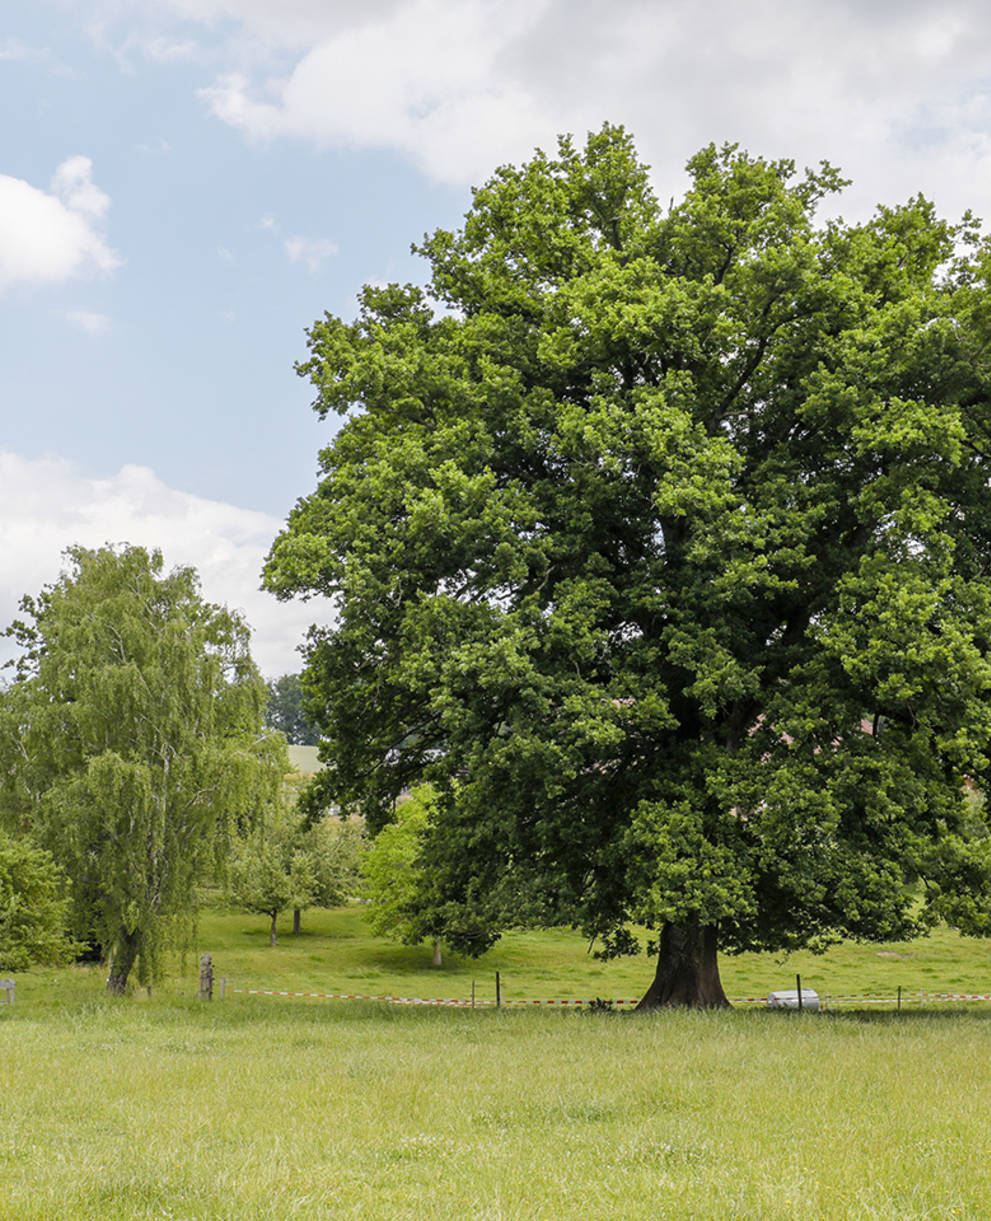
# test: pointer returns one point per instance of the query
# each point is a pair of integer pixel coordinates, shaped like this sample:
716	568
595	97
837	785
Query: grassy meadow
266	1108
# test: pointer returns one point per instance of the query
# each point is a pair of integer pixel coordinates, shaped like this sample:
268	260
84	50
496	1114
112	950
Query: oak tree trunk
687	971
125	952
437	957
297	921
271	935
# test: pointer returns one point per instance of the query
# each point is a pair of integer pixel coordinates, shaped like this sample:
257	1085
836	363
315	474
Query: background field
268	1108
336	953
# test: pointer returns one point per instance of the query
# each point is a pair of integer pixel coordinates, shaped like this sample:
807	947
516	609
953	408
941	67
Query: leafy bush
33	911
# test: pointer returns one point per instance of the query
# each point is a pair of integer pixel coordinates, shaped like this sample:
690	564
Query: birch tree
132	735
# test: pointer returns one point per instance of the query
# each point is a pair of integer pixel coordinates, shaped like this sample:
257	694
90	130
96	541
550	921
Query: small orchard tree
267	874
334	850
132	736
332	846
34	908
284	864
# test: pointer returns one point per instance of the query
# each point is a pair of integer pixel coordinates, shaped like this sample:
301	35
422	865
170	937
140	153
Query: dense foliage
397	878
33	907
133	732
662	547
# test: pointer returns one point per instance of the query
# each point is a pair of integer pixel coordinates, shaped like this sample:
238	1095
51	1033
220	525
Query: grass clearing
277	1110
336	953
264	1109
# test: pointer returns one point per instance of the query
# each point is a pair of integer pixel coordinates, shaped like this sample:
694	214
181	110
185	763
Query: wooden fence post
206	978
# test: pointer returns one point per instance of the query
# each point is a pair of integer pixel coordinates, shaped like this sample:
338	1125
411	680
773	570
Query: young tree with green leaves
397	881
267	875
33	907
335	849
332	846
663	549
283	863
133	734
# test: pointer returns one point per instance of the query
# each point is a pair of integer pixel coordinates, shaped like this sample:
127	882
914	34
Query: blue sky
185	185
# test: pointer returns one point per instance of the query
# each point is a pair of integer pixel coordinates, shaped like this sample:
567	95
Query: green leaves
33	909
663	553
133	736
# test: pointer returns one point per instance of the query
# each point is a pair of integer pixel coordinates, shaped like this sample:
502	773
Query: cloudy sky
185	185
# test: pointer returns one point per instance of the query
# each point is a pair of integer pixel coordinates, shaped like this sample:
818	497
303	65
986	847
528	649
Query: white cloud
50	238
423	79
460	86
282	22
307	250
311	251
46	505
88	321
12	50
73	184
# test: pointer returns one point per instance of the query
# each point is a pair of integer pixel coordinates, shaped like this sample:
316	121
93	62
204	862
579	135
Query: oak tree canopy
660	542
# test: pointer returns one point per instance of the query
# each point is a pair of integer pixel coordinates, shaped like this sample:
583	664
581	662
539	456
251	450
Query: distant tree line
284	711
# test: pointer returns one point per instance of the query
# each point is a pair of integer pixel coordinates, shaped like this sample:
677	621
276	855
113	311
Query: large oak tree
659	538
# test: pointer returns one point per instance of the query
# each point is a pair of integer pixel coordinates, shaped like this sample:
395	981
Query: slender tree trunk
271	935
297	921
437	958
122	959
687	971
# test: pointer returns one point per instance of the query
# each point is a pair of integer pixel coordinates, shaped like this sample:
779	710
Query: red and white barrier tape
350	996
409	1000
864	998
879	998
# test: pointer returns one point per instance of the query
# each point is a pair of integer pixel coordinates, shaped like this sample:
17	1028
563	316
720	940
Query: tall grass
279	1110
264	1109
